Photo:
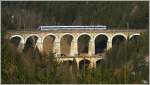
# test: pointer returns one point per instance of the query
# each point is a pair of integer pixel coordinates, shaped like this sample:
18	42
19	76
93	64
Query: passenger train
72	27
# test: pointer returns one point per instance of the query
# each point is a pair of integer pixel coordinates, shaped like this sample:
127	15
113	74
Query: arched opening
69	66
99	63
48	44
100	43
30	46
15	41
84	64
65	44
117	40
68	62
135	39
83	44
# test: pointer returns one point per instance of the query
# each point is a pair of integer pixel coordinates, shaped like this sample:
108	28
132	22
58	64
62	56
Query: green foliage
127	57
30	15
123	64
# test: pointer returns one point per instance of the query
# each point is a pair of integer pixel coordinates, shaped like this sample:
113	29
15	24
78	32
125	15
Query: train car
72	27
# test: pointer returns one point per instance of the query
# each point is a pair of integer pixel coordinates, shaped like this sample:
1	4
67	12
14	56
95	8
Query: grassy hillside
30	15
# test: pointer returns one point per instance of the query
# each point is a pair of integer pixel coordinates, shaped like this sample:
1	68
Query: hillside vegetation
30	15
124	64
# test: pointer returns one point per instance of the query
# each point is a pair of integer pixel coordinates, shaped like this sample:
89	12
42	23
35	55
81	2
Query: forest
29	15
123	64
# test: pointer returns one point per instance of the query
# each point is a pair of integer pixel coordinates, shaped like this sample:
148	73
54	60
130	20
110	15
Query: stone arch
39	38
100	43
69	34
68	62
136	38
16	36
118	38
84	34
65	44
69	65
136	34
121	34
31	47
100	63
101	34
17	42
83	44
84	64
48	44
48	35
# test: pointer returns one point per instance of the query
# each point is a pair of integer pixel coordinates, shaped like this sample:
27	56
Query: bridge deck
79	30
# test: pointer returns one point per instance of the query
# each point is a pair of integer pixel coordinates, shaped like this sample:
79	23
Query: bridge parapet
75	31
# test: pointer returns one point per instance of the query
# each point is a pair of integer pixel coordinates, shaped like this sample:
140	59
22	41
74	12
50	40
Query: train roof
83	26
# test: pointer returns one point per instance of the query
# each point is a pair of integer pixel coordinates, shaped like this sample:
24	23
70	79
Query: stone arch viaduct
73	36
